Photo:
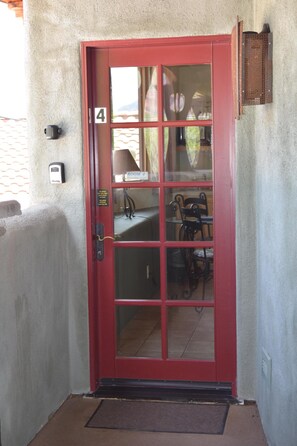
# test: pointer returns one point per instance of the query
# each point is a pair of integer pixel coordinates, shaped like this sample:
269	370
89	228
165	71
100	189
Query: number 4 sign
100	115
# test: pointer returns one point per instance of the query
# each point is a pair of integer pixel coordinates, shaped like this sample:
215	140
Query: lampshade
123	162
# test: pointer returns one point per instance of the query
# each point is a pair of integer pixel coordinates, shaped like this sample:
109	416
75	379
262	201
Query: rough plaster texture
276	192
34	348
246	256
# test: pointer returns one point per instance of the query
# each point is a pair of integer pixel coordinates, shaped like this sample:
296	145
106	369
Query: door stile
162	248
225	303
104	268
87	58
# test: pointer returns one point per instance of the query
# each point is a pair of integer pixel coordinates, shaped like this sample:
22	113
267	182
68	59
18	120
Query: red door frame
226	164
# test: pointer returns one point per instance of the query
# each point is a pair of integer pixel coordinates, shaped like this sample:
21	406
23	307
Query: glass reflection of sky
124	82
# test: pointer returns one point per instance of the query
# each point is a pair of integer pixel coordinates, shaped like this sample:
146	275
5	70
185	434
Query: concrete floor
67	428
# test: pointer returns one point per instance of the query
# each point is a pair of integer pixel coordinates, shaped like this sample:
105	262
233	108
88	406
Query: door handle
100	237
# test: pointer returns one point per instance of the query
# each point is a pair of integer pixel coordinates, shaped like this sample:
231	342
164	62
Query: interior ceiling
16	6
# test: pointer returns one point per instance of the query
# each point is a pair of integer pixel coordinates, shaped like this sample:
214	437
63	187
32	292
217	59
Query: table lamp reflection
124	162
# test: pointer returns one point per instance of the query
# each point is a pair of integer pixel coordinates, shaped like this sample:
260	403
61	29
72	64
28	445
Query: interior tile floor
190	332
67	428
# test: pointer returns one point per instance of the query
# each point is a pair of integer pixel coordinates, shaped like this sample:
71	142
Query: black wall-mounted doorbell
52	132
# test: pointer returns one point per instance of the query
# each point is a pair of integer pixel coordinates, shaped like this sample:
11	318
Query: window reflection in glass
187	92
133	94
188	153
135	154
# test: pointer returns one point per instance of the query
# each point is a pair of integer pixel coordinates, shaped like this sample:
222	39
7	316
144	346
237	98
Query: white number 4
100	115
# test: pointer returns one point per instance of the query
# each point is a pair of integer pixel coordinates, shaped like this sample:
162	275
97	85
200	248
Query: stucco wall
276	192
34	348
54	30
246	265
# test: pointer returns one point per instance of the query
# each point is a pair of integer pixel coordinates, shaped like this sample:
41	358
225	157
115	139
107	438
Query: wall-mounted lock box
57	173
257	67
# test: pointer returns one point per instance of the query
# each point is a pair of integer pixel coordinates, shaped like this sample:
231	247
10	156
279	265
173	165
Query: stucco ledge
37	215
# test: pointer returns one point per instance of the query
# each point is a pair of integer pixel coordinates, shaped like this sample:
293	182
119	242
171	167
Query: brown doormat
151	416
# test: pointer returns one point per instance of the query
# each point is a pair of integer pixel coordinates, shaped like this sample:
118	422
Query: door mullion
162	217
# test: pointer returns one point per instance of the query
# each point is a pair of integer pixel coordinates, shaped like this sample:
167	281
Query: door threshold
165	390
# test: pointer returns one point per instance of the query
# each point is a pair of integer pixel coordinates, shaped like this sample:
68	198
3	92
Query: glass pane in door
137	273
136	214
138	331
135	154
177	199
190	273
133	94
188	153
187	92
191	333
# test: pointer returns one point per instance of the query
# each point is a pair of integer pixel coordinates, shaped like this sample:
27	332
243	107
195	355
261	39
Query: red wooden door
159	194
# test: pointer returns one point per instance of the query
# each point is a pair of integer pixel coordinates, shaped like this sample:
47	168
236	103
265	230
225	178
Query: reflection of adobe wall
127	138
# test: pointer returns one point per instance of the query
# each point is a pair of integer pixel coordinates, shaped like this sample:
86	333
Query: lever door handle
100	237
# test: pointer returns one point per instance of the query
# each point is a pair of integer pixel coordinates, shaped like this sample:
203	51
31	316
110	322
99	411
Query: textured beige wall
34	347
54	30
276	209
246	268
